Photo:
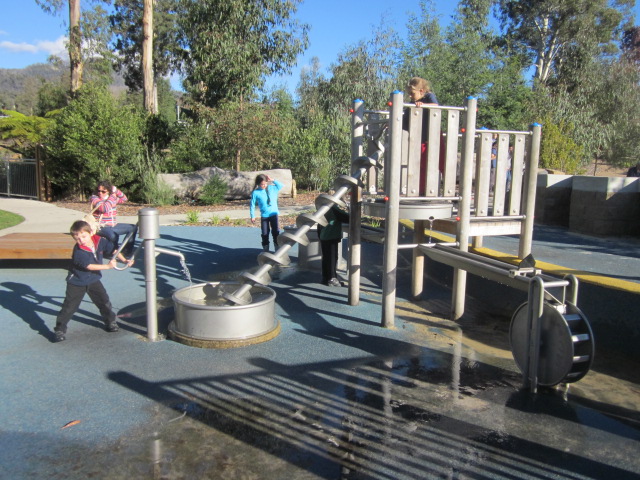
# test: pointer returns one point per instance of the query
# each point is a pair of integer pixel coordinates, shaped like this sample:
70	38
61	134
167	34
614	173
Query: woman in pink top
105	202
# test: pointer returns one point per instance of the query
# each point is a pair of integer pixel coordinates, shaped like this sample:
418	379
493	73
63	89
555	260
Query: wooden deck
36	246
481	226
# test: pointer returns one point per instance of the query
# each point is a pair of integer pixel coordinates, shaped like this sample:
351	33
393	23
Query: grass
8	219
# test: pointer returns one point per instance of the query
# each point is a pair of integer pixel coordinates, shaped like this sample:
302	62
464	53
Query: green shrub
96	138
214	191
157	192
193	217
558	150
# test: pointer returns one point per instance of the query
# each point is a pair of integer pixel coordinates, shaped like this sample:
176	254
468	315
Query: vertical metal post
534	318
151	288
464	207
531	181
355	207
148	232
572	295
392	179
417	276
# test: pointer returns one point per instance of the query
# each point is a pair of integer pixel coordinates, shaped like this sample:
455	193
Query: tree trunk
150	103
75	46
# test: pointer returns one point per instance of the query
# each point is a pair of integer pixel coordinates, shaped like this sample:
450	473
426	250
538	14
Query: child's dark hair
80	226
106	184
259	179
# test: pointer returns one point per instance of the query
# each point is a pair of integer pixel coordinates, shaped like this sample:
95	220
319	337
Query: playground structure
551	339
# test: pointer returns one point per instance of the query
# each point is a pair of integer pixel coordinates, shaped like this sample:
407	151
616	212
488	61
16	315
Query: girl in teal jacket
266	197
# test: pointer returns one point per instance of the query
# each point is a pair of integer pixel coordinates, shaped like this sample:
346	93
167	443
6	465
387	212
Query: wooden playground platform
36	246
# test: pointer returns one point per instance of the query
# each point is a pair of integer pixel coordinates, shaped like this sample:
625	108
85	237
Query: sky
28	35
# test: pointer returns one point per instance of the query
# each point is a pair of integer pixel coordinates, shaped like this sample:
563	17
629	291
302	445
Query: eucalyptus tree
86	31
229	47
555	33
127	21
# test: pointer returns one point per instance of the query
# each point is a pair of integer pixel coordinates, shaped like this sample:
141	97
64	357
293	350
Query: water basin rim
196	306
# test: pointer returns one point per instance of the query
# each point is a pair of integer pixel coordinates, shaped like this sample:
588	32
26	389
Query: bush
214	191
558	151
95	138
156	192
191	149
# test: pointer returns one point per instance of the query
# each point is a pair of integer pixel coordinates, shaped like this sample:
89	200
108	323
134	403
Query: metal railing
19	177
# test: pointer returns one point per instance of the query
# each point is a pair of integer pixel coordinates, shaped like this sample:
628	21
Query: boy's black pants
74	296
329	250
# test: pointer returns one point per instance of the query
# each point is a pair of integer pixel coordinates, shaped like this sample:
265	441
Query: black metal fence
19	177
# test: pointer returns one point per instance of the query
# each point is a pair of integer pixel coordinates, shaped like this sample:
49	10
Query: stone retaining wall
592	205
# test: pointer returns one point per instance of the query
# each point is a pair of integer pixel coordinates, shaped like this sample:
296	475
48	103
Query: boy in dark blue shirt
84	277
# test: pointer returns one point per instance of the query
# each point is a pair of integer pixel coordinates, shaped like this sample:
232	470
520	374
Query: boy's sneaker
112	327
59	336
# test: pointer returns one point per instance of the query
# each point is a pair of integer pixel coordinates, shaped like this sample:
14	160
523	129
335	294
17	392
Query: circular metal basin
204	319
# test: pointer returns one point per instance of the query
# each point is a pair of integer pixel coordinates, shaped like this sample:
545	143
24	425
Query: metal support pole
149	231
355	208
572	295
417	279
392	179
534	318
464	210
151	288
531	181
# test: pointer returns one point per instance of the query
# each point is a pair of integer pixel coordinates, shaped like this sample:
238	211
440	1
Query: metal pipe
534	319
149	222
170	252
151	287
434	107
124	242
512	132
573	289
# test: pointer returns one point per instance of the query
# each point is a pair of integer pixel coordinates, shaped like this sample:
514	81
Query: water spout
170	252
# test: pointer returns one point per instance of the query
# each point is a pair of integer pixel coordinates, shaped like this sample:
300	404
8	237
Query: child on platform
266	197
84	277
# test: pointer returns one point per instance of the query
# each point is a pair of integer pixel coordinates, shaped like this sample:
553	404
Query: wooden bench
36	246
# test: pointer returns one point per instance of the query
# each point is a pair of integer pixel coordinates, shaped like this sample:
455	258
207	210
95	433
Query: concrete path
43	217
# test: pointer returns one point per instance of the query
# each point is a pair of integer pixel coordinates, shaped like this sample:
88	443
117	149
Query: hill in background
19	86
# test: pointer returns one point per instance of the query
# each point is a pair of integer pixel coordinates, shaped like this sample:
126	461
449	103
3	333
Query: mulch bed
206	212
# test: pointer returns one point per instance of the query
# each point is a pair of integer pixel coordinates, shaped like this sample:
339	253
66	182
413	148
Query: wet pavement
334	396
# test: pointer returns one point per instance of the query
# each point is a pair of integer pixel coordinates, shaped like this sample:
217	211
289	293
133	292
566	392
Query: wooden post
464	212
531	179
355	207
392	179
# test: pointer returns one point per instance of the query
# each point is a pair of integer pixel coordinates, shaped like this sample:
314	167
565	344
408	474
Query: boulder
240	184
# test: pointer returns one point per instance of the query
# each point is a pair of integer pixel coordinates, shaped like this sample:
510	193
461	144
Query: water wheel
566	343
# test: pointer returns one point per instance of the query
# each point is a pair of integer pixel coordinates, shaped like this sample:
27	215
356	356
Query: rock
240	184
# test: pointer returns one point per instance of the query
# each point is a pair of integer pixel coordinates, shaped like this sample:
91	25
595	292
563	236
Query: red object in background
386	199
457	219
